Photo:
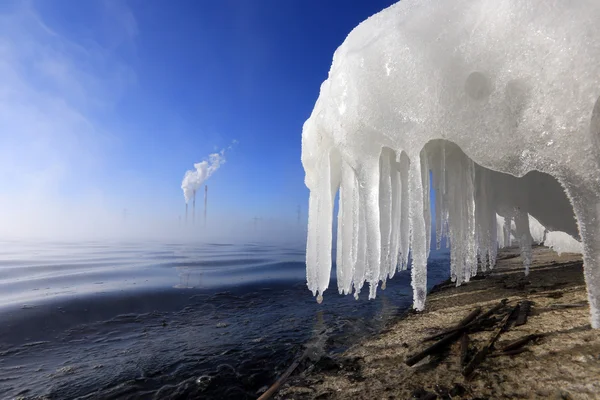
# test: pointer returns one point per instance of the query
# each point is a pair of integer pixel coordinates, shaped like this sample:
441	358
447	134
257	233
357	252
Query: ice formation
499	99
562	243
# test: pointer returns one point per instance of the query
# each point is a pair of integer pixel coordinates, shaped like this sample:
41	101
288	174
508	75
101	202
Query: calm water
165	320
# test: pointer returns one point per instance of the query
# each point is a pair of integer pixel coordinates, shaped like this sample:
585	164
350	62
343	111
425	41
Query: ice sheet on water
499	99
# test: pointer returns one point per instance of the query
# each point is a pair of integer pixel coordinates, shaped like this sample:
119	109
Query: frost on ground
499	100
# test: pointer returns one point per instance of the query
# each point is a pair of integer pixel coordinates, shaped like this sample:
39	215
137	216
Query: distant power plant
193	197
195	178
194	207
205	201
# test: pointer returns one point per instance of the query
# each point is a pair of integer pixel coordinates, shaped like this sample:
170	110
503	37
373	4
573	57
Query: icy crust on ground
499	99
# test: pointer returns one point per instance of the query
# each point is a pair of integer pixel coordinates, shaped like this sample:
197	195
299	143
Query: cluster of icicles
466	218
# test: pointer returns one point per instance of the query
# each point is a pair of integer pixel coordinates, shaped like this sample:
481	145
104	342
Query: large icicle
368	178
396	232
524	237
507	231
461	215
347	230
361	254
404	212
418	235
318	252
438	165
426	205
385	209
485	219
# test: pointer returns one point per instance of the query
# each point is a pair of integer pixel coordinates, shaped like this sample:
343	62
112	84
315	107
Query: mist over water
161	319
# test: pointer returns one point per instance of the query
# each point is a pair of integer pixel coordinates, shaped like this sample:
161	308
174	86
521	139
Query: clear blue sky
110	102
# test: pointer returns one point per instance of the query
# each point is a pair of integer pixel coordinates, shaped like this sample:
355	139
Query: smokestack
205	201
186	212
194	207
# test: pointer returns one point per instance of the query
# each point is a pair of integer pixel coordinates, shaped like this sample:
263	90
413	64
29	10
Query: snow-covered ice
499	99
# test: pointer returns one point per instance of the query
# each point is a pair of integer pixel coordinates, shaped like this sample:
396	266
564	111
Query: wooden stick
452	336
515	352
275	387
464	349
576	305
434	348
461	324
523	313
480	356
510	353
521	342
470	324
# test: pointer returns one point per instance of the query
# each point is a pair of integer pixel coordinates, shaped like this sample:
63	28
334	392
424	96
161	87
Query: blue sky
106	104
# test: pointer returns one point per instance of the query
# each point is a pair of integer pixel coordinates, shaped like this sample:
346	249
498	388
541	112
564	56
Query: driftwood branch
434	348
275	387
510	353
450	336
523	313
464	349
575	305
470	324
453	335
520	342
480	356
466	320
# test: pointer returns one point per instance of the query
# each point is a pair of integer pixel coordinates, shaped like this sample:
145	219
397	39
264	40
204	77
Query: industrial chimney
194	207
205	200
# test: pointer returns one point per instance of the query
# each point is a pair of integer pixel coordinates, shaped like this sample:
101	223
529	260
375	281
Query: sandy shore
563	364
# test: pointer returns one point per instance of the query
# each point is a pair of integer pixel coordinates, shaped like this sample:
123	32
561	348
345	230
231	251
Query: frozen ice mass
494	104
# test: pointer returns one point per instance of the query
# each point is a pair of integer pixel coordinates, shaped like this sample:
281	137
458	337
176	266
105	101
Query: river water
98	320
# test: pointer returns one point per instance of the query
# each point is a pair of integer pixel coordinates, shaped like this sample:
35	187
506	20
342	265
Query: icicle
471	239
426	193
418	236
347	229
493	245
385	208
438	185
396	229
500	231
444	209
404	212
524	237
369	201
507	231
485	219
312	242
318	258
361	254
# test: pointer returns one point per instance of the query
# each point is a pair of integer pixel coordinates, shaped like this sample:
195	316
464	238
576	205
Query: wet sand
563	364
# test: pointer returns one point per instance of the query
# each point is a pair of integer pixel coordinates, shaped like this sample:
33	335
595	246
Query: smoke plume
193	180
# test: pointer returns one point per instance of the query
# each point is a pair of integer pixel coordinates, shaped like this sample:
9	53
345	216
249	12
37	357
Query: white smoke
194	179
